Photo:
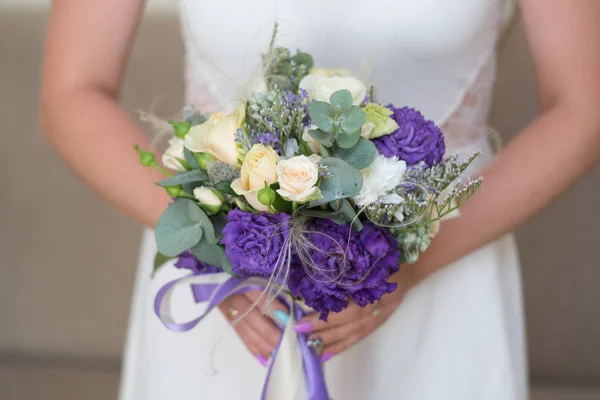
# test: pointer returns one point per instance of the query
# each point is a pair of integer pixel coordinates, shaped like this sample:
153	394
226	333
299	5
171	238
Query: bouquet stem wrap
295	371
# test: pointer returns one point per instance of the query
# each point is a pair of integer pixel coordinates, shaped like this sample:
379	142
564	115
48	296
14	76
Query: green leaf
197	215
347	140
326	197
341	100
282	205
195	175
176	230
341	179
190	158
281	81
227	266
353	120
209	253
360	156
218	221
324	151
322	137
303	59
347	213
159	261
322	115
332	215
225	187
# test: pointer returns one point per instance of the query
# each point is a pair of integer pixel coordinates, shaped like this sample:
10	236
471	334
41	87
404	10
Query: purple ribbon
214	294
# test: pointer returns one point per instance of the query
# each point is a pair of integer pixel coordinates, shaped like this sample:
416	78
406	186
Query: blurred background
67	259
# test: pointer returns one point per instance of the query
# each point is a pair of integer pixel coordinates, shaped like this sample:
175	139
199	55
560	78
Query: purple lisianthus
253	241
357	269
416	139
187	260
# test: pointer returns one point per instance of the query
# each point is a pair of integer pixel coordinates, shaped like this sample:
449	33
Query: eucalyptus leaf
353	120
189	187
347	140
324	151
341	100
322	137
341	179
218	222
303	59
208	253
190	158
326	197
359	156
332	215
159	261
346	212
195	175
197	215
227	266
177	231
322	115
225	187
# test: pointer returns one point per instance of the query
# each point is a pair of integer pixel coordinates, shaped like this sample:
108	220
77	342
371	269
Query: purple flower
356	269
269	139
187	260
253	241
416	139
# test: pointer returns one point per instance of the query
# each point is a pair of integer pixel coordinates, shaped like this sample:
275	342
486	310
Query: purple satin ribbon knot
214	294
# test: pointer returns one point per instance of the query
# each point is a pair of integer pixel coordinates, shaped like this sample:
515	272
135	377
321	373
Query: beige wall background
67	259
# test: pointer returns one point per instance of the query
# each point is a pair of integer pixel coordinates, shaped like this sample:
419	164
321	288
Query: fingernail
263	361
326	356
304	327
281	316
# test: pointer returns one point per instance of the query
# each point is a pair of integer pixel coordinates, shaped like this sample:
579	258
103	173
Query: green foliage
224	187
227	266
341	100
190	159
348	140
322	114
180	227
359	156
159	261
209	253
340	181
267	196
193	176
324	138
353	120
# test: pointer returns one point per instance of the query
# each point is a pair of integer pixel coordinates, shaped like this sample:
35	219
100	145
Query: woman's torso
434	55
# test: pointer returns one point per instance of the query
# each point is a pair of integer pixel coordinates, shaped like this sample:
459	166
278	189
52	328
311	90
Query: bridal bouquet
309	189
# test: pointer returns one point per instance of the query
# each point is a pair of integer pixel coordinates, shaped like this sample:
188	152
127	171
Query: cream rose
217	136
259	166
321	83
173	154
297	178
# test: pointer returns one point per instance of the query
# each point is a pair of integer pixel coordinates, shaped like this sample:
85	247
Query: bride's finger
348	341
312	323
339	332
264	327
260	298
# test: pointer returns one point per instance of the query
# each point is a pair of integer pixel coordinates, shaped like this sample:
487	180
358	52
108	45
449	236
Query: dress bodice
434	55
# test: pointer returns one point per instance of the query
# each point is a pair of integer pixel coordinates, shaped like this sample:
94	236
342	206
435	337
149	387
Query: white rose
208	199
320	84
173	154
297	178
258	168
216	136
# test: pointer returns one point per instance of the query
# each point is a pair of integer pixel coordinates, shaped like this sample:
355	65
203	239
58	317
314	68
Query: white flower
207	197
297	178
382	176
258	168
217	136
174	153
321	83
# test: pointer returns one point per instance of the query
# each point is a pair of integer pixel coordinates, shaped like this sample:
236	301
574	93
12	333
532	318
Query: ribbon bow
285	380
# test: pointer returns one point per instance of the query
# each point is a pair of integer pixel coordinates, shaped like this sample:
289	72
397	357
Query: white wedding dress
457	336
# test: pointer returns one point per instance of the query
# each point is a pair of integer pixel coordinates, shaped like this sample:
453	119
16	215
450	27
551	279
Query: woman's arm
550	154
545	159
87	48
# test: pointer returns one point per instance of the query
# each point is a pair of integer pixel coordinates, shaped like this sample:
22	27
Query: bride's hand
344	329
258	331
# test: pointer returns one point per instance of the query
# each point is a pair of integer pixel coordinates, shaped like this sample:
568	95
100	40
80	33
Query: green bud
146	157
204	159
241	204
267	195
181	128
173	191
